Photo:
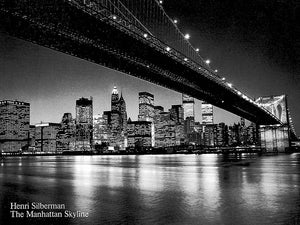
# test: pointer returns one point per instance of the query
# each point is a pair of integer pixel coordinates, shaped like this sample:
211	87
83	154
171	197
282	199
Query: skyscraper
188	106
139	134
220	134
117	120
14	125
46	137
123	113
118	109
177	115
243	132
189	125
146	111
115	99
208	134
207	113
84	123
65	138
146	106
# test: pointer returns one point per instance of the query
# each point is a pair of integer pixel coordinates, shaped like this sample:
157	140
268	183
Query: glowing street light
185	59
114	17
197	49
168	48
160	2
145	35
187	36
223	78
175	21
207	61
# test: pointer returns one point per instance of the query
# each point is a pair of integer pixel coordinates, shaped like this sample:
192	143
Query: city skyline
155	128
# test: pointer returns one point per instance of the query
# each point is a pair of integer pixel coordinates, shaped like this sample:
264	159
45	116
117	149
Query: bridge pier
274	138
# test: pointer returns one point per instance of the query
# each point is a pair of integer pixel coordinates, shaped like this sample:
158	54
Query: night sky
254	44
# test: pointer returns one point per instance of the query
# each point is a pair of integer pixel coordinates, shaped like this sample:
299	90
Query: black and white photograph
165	112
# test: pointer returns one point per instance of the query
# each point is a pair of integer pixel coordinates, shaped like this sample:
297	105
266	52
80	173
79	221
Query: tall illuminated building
46	135
14	125
139	134
207	113
65	138
146	106
123	113
220	134
116	120
115	99
188	106
147	111
208	135
84	123
118	111
177	115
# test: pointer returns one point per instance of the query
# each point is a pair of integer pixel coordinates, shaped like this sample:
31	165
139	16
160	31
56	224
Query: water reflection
159	189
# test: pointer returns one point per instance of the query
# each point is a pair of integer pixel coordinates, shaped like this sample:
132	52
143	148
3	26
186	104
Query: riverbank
75	153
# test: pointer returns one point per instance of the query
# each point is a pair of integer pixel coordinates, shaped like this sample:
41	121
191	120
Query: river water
156	189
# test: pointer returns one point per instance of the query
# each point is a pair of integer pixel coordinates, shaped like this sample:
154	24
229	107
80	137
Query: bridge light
175	21
229	85
114	17
239	93
145	35
185	59
168	48
207	61
197	50
216	71
187	36
160	2
223	78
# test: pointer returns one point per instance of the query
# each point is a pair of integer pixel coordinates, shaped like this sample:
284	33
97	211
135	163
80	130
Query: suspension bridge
136	37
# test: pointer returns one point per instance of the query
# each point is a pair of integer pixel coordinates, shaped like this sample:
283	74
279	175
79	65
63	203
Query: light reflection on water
158	189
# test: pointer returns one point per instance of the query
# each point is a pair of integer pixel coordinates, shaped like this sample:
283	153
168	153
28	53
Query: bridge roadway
74	29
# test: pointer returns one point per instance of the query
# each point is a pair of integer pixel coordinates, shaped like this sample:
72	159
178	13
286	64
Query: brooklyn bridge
135	37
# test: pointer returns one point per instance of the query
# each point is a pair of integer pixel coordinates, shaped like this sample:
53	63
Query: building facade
146	106
46	137
208	135
65	138
14	125
139	134
207	113
220	135
188	103
84	124
177	115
